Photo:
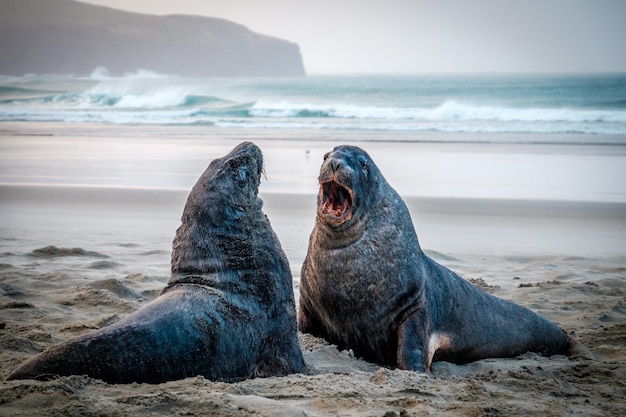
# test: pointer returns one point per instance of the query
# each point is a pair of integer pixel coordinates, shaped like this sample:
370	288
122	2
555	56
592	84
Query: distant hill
68	37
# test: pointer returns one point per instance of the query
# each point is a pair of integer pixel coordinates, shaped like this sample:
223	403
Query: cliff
68	37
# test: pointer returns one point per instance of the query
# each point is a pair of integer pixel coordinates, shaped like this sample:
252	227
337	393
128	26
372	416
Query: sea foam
449	110
410	104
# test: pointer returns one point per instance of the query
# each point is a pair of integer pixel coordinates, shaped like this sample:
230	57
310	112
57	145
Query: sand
74	258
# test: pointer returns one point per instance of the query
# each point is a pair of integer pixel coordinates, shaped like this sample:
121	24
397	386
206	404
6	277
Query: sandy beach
85	237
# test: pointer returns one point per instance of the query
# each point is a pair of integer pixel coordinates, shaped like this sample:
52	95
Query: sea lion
228	310
367	286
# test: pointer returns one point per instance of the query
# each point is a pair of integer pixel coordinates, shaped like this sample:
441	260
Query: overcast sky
428	36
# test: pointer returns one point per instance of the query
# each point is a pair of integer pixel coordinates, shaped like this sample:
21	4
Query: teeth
335	200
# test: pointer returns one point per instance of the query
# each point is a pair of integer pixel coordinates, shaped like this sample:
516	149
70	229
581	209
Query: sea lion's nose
334	165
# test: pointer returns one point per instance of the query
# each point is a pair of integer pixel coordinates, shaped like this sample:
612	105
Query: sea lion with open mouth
367	286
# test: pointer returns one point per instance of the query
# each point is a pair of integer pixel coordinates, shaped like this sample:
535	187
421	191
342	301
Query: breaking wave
144	97
449	110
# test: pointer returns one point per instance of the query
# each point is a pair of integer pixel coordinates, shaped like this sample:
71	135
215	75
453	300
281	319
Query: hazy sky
367	36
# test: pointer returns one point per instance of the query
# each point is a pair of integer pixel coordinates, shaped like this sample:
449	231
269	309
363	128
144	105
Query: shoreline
32	192
327	134
172	158
443	224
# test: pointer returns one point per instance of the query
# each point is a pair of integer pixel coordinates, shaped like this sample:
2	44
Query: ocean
523	108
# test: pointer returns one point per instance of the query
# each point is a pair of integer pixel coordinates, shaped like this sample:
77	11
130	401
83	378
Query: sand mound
56	252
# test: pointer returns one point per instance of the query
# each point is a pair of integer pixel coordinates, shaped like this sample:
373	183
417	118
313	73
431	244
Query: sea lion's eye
326	155
363	163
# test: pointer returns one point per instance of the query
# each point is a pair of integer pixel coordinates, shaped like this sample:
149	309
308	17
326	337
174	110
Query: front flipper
413	338
308	322
304	322
417	345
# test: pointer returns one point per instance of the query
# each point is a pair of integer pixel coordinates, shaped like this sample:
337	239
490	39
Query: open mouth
336	203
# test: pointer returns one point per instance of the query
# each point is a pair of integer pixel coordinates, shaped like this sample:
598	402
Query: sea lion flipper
576	349
413	354
279	366
305	321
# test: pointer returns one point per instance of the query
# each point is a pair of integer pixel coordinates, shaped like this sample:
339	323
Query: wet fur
228	311
366	285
